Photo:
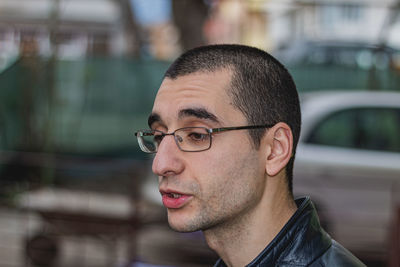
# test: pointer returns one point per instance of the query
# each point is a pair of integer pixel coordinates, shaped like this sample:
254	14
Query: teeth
175	195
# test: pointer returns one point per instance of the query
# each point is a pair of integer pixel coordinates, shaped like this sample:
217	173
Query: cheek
234	159
230	176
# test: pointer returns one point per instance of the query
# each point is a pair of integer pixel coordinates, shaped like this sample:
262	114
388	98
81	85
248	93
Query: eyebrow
200	113
154	117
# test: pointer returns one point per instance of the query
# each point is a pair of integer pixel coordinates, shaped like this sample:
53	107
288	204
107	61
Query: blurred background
78	77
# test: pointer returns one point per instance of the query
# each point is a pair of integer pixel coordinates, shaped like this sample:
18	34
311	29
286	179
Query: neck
240	240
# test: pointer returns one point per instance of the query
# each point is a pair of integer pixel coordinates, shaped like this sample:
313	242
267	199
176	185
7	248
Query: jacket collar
299	242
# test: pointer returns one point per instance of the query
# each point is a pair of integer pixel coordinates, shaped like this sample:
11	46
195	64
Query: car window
360	128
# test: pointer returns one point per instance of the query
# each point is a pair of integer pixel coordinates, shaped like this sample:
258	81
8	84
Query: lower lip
175	203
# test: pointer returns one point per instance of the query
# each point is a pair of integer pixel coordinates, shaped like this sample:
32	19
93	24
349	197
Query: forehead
200	90
196	85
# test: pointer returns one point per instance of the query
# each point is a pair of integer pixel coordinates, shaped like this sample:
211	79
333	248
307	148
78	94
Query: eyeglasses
188	139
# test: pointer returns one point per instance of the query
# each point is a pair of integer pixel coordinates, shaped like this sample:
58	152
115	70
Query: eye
198	137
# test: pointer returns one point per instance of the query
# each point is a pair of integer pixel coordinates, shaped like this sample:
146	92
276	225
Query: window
351	12
360	128
331	14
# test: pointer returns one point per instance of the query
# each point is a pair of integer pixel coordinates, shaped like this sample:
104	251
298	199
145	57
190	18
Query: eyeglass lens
187	139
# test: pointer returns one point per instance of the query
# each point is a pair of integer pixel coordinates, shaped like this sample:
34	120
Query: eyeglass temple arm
216	130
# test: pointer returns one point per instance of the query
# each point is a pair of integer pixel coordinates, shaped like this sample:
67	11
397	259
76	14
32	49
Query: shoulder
337	255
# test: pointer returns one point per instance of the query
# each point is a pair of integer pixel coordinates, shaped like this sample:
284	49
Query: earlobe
280	139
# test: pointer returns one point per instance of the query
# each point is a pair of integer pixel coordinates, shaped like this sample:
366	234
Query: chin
182	227
182	224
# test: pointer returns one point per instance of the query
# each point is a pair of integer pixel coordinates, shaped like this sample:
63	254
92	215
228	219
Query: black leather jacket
302	242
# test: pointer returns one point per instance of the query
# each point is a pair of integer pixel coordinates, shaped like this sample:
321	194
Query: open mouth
174	195
175	200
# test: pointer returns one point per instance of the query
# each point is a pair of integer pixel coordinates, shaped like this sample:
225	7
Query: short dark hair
261	87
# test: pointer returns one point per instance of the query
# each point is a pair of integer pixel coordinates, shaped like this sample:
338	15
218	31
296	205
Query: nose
168	159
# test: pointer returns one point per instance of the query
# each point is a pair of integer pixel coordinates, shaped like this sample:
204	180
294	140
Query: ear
280	146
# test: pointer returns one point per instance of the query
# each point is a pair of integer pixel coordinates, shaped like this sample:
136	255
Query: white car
348	161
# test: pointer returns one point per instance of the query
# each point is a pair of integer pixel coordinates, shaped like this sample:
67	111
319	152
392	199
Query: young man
224	130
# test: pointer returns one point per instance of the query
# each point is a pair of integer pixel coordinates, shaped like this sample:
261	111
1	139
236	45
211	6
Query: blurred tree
189	17
134	39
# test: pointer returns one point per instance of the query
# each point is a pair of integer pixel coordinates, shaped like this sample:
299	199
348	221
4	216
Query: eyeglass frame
210	131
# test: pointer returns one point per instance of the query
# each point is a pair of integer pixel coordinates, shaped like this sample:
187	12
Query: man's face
213	187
